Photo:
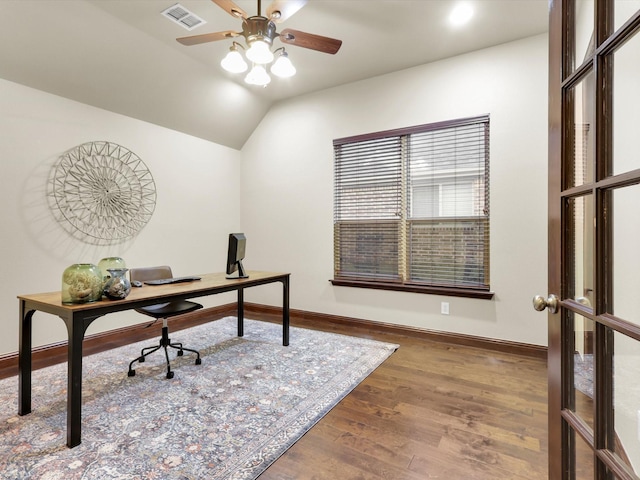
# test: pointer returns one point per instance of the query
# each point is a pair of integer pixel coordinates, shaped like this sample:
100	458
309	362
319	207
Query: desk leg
241	312
74	390
24	361
285	311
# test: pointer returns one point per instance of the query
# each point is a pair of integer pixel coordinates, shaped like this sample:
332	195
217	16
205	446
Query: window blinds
367	208
411	205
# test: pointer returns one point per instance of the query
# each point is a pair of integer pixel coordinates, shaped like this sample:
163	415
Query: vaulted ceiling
122	55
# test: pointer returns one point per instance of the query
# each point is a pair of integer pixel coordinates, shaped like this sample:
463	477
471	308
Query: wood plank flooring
431	411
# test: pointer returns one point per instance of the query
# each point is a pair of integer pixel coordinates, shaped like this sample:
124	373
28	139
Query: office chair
164	311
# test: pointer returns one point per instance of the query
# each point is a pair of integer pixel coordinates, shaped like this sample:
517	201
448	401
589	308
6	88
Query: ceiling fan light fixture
259	52
233	62
283	67
259	33
258	76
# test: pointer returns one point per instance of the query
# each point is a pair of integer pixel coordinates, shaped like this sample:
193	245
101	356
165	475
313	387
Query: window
411	209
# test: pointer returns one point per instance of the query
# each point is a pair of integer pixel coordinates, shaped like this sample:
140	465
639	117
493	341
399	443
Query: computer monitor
235	255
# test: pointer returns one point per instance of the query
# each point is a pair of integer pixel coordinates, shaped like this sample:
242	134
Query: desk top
209	283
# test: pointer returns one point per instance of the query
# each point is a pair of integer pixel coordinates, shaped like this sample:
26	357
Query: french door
594	240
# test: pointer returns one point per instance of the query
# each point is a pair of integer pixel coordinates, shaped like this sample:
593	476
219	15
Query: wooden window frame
402	281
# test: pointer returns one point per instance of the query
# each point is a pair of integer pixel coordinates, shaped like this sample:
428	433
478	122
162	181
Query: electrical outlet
444	308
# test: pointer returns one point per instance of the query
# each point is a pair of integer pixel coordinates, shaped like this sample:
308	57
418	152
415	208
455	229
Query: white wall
285	206
288	187
197	185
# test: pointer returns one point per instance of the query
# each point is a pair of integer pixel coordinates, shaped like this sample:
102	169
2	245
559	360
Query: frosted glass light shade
259	52
283	67
234	62
258	76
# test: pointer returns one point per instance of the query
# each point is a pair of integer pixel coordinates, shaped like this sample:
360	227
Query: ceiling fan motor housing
259	28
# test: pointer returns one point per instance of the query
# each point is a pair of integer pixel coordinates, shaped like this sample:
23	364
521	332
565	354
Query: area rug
229	418
583	373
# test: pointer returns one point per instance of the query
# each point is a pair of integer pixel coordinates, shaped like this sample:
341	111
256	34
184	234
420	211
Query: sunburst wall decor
101	193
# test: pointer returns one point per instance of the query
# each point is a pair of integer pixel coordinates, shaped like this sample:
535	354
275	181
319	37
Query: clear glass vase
81	283
118	285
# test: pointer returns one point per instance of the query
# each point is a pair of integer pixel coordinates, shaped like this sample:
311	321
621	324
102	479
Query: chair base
165	343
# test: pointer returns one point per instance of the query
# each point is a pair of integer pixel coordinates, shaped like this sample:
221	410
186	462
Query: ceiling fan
259	32
259	27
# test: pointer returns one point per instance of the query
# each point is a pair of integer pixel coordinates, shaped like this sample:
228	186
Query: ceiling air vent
183	17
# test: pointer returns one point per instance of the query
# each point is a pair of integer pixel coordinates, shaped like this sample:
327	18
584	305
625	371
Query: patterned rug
583	373
229	418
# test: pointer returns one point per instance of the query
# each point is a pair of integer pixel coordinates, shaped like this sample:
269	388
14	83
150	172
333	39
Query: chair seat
166	310
163	311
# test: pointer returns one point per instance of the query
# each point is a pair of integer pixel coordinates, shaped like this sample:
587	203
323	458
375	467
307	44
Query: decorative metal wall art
101	193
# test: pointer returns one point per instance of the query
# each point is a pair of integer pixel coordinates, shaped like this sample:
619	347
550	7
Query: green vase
81	283
110	262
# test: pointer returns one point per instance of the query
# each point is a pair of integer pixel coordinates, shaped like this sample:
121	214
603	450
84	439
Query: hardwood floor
431	411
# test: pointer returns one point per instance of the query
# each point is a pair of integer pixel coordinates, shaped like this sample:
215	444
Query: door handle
540	303
584	301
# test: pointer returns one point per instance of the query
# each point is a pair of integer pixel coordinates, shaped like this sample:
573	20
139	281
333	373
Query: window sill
415	288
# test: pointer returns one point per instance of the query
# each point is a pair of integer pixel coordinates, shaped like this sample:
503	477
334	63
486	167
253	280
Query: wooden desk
78	318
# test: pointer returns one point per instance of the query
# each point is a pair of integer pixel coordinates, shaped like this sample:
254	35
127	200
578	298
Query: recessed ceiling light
461	14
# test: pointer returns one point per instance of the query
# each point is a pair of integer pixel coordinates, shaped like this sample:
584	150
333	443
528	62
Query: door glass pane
580	217
626	254
626	398
583	367
626	106
584	134
624	10
584	459
584	13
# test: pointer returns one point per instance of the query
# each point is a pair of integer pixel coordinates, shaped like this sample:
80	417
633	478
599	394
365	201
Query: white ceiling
121	55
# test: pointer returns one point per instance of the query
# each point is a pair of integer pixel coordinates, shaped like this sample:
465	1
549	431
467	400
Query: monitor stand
240	272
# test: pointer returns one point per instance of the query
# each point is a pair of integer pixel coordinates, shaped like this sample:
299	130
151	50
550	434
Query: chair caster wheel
198	361
131	373
180	353
169	374
141	360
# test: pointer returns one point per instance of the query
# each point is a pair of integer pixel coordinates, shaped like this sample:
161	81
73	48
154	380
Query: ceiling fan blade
207	37
280	10
309	40
231	8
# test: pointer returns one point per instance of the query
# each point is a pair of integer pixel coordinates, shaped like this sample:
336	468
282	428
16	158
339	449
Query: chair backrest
150	273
